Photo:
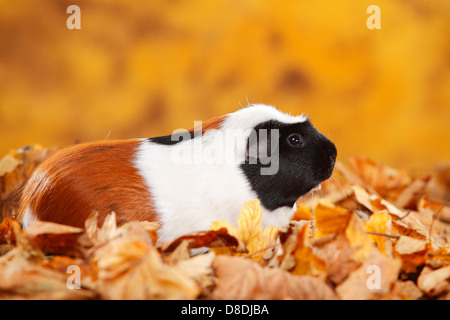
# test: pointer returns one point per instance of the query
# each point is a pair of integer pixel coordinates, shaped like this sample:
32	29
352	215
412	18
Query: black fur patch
170	139
300	168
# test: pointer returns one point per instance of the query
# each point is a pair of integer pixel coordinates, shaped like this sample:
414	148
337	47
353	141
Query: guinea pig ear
261	145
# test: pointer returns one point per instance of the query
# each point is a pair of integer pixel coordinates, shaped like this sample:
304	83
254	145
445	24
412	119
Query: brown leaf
413	253
440	257
109	229
337	257
240	278
130	267
25	278
56	238
406	245
15	168
25	245
433	282
386	181
211	239
434	210
405	290
6	231
412	193
439	186
362	283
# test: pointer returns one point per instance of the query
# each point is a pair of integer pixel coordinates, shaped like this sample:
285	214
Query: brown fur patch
213	123
89	177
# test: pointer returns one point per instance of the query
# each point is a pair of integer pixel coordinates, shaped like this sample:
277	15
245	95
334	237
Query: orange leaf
380	223
306	262
358	239
330	219
302	213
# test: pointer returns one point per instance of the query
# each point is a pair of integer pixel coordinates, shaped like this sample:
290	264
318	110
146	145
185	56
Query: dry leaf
380	223
405	290
407	245
433	282
15	168
199	268
413	253
19	280
107	231
305	261
25	245
372	280
440	257
330	219
302	213
249	230
23	275
289	242
6	231
327	240
244	279
336	258
386	181
212	239
362	197
250	222
439	186
358	238
437	209
130	267
53	238
380	204
8	164
231	229
410	195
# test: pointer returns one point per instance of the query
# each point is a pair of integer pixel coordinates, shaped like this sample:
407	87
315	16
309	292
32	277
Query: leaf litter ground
371	232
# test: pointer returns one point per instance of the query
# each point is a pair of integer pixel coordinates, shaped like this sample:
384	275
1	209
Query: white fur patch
249	117
27	217
189	196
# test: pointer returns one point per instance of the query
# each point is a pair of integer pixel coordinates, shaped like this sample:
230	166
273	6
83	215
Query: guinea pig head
286	160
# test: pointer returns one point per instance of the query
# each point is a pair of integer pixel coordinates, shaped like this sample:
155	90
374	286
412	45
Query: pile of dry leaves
372	232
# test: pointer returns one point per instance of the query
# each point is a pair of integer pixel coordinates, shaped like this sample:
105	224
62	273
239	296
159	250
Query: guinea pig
186	180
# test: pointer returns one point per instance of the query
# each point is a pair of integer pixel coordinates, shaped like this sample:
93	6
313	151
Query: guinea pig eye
294	140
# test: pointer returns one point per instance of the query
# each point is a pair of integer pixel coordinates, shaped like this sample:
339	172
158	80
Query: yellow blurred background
145	68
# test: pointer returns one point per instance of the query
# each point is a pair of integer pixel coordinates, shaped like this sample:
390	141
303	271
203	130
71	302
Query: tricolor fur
141	180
